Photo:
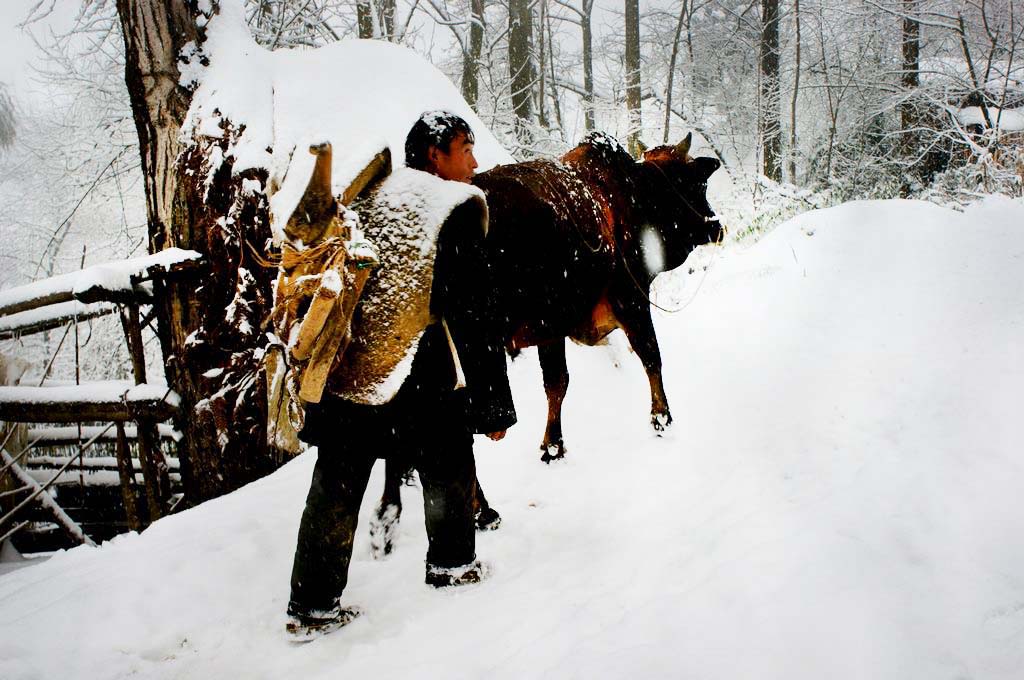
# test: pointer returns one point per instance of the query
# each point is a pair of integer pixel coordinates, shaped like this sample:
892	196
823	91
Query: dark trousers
432	433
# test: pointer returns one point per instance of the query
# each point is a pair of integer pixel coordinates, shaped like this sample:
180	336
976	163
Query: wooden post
133	334
127	474
151	459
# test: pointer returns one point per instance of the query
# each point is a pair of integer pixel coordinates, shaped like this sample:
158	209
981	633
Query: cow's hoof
384	530
552	452
660	422
487	519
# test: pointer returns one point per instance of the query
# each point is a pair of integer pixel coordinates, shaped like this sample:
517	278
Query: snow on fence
72	435
63	301
114	400
111	282
53	316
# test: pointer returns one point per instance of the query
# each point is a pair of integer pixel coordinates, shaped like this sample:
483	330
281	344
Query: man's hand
496	436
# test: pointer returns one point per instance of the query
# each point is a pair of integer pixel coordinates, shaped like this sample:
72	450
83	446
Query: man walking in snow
429	422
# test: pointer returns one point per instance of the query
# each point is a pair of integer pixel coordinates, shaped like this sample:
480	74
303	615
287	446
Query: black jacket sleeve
463	295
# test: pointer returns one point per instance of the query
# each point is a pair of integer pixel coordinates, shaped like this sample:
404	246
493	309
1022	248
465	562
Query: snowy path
840	497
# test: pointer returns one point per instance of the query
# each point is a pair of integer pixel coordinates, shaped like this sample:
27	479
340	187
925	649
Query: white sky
15	46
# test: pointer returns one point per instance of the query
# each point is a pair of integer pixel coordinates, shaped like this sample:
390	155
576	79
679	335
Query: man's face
457	164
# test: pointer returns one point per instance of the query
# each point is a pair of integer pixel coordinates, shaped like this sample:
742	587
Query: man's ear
432	154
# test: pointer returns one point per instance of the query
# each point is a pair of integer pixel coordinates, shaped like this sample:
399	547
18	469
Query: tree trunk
364	18
632	64
154	34
588	65
520	68
387	19
551	70
771	115
796	95
7	127
911	68
683	10
542	47
471	58
209	328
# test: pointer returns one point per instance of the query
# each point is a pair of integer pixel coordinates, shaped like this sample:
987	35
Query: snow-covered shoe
384	530
467	574
487	519
308	627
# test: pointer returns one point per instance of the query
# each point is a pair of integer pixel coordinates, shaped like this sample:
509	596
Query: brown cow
575	246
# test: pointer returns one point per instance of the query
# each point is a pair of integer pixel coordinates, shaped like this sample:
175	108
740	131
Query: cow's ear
683	147
706	167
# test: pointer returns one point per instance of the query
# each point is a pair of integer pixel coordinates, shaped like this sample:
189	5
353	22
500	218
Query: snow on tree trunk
207	324
220	332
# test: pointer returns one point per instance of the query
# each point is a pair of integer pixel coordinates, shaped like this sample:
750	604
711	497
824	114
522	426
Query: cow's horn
683	147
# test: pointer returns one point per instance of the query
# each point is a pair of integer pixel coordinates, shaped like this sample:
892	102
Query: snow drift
840	497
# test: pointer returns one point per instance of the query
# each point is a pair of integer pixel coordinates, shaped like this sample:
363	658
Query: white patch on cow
653	249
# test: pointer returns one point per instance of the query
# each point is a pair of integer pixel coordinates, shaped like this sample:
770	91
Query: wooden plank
379	166
85	411
106	401
91	463
55	316
111	282
44	437
90	476
16	458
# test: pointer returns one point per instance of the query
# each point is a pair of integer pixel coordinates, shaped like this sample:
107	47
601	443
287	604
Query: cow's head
679	207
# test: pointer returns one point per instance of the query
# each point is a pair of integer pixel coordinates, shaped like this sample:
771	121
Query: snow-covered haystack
840	498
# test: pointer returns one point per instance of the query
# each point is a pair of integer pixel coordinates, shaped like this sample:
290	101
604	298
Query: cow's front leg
384	525
556	383
639	328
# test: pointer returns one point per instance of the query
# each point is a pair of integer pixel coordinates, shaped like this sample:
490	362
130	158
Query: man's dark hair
433	128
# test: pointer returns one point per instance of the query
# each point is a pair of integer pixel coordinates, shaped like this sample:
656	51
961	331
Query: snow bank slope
840	498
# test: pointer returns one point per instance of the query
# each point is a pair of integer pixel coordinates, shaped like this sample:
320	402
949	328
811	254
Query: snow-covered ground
840	497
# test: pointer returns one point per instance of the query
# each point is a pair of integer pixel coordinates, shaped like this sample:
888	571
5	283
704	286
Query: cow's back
551	248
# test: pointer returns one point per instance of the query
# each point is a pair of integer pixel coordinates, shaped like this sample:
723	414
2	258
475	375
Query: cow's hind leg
639	328
556	383
384	525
